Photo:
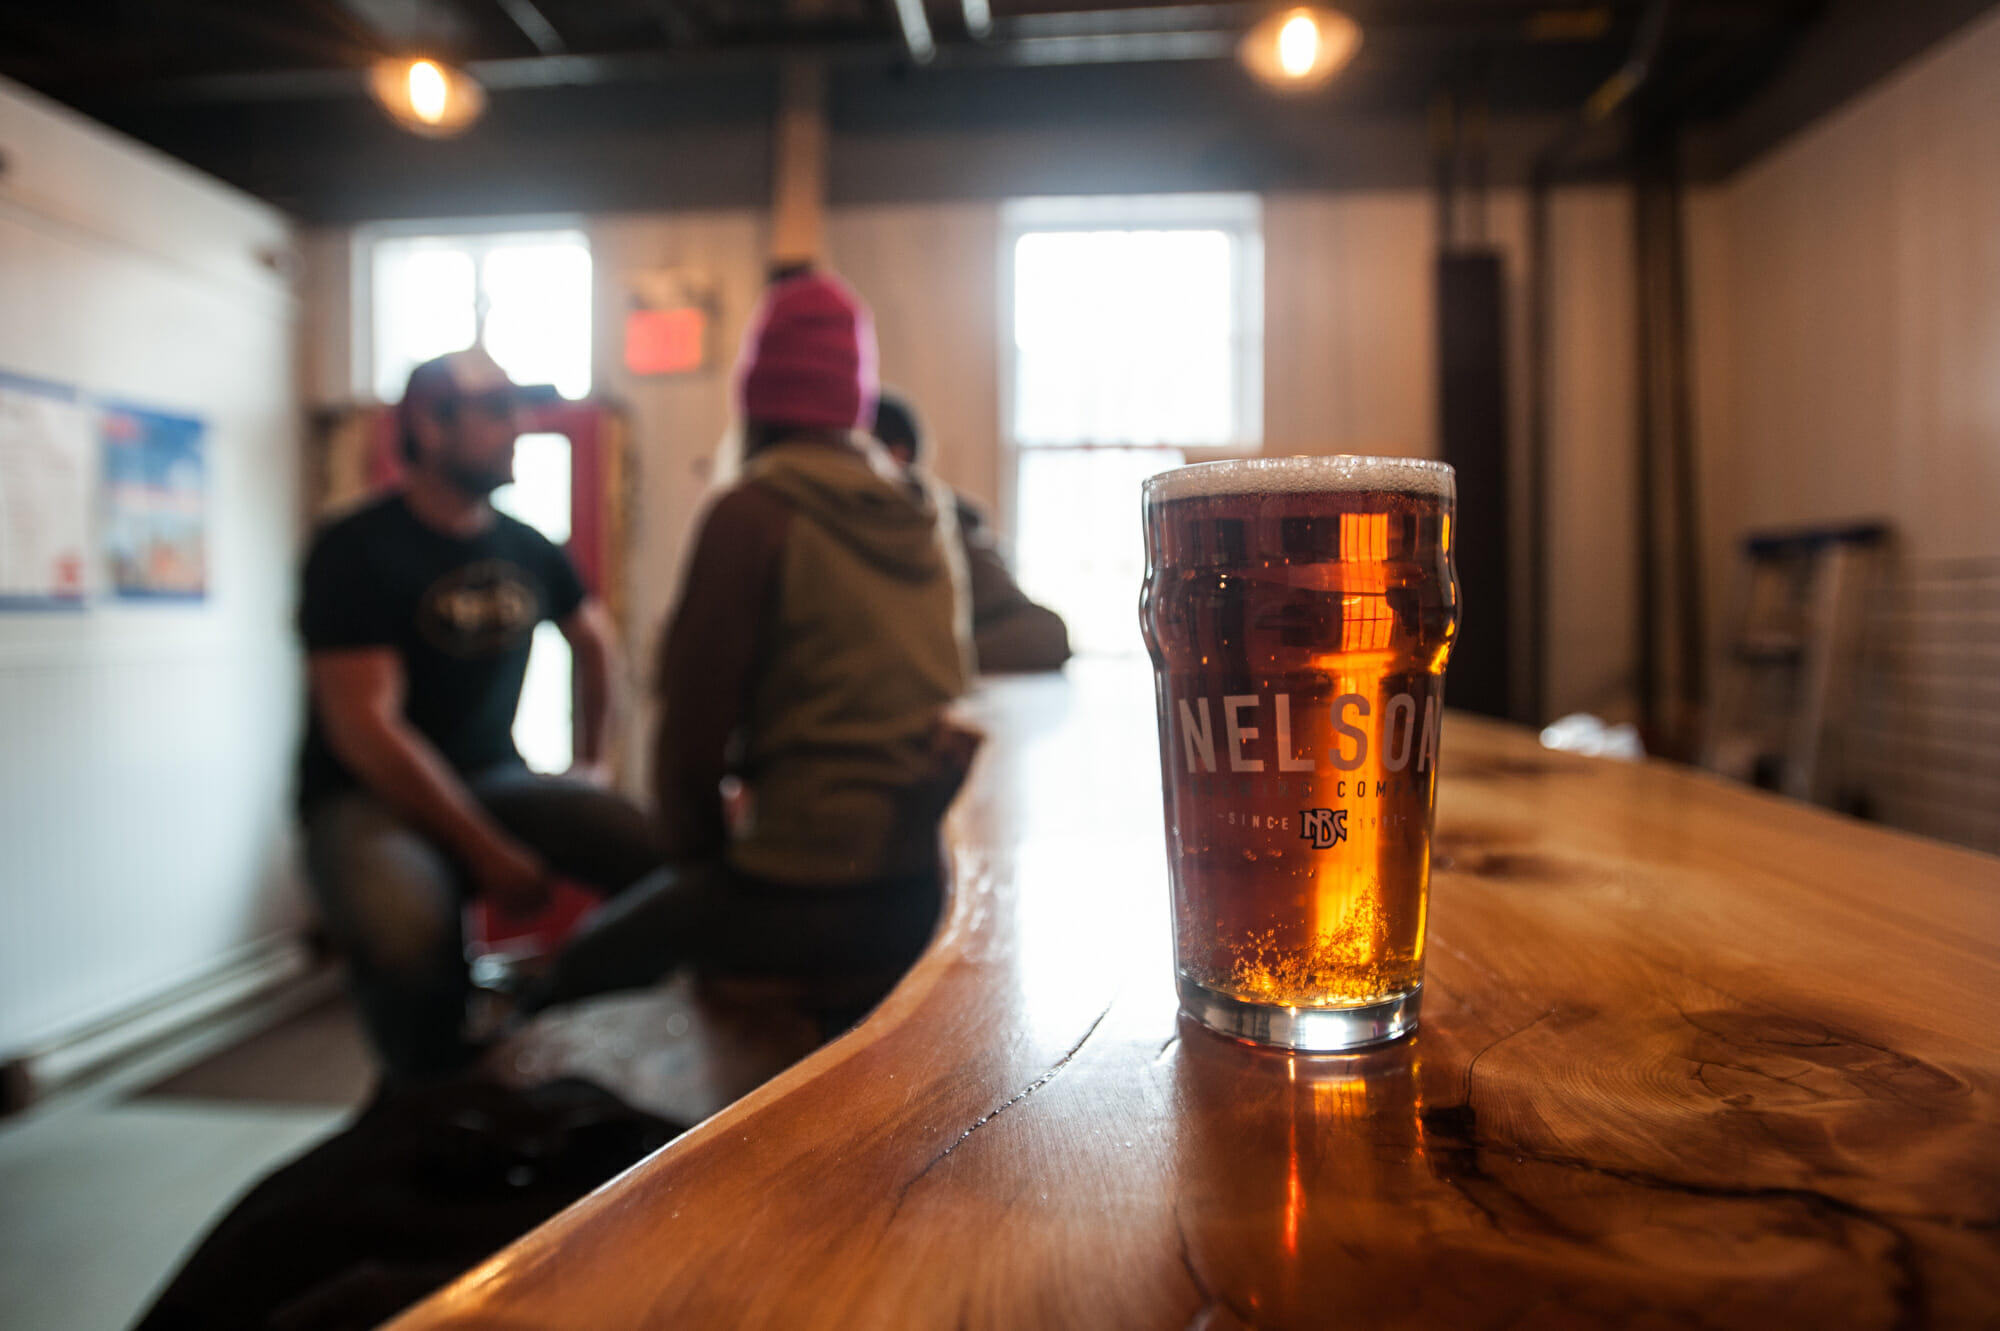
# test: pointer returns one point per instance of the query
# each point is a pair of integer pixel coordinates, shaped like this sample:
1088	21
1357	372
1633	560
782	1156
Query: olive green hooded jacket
865	647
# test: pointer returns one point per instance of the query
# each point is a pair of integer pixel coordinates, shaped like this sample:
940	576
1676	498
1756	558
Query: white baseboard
77	1055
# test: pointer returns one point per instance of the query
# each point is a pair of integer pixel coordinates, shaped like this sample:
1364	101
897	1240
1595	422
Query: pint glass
1299	612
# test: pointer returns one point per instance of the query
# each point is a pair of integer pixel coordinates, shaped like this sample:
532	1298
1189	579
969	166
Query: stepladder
1785	684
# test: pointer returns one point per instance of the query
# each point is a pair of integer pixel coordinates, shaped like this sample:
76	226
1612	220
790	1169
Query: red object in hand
493	928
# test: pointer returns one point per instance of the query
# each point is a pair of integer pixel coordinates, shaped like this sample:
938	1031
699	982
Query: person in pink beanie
814	654
808	358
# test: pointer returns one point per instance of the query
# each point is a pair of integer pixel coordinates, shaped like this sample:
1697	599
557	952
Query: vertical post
1472	434
1671	630
1654	724
798	186
1541	286
1444	169
1472	427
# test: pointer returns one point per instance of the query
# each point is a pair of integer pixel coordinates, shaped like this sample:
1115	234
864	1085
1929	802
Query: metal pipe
917	39
1612	94
534	25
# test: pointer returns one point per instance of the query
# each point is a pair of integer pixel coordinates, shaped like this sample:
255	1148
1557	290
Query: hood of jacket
837	489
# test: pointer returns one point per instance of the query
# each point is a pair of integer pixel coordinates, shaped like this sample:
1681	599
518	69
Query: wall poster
48	475
155	503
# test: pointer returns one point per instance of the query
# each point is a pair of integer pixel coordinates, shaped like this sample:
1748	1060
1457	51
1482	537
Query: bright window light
525	296
425	304
1082	553
1126	337
540	494
1137	333
544	729
538	313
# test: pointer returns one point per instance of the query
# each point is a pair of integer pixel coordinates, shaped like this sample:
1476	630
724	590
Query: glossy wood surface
1689	1056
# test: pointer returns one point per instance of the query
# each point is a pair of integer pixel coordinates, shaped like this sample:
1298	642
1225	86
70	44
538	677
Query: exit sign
666	341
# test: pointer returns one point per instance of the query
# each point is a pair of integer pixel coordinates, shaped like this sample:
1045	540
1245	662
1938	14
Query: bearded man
417	613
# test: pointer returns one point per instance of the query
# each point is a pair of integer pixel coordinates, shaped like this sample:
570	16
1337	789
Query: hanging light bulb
426	96
427	91
1300	48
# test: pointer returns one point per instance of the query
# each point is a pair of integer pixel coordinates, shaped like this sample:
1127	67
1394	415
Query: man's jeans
710	917
392	899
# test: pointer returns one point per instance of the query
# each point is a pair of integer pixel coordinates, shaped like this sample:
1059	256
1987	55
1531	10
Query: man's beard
475	479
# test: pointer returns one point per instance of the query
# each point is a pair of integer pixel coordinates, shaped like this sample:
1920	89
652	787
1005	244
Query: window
1136	321
1135	333
523	295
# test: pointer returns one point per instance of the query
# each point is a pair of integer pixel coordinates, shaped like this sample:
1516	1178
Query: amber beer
1299	612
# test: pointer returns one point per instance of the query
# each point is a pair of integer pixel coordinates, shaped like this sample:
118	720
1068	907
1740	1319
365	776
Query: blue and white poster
48	475
155	504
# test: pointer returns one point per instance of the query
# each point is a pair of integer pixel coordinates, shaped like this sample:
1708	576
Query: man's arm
593	648
709	660
358	693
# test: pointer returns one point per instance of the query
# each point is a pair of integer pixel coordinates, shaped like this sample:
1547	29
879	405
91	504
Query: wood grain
1689	1056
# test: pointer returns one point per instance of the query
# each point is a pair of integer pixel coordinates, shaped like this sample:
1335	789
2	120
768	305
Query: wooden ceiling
1524	54
643	103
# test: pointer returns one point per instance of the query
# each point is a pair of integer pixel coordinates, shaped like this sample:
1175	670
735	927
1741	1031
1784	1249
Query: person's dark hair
897	426
406	434
760	435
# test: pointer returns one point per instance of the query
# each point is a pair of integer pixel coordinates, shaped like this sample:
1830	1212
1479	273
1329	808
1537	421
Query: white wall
1846	302
1593	557
931	274
144	827
677	420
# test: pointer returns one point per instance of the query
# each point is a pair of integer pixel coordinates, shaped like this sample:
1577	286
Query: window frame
1238	215
481	234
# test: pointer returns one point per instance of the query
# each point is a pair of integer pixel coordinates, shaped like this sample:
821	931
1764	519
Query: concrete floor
100	1202
105	1191
106	1188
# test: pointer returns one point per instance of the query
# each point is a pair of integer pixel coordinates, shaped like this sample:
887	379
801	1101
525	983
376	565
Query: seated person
813	656
417	613
1009	631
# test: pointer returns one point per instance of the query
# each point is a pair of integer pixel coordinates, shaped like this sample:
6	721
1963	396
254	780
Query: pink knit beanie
809	356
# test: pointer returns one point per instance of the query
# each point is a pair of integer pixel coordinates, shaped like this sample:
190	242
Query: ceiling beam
799	161
916	26
534	25
406	26
1183	32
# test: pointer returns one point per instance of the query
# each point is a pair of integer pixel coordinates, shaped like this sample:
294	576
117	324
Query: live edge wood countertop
1690	1056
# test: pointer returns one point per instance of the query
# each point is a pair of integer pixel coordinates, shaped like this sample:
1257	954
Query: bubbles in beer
1355	961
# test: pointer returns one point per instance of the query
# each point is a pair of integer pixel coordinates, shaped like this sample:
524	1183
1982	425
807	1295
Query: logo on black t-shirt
481	609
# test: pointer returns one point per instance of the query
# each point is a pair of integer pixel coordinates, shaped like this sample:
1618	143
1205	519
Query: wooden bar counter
1689	1056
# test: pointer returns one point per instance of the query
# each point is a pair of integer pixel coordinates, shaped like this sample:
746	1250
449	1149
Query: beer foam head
1334	473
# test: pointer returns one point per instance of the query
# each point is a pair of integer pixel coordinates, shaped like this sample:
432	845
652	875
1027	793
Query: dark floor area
317	1057
102	1200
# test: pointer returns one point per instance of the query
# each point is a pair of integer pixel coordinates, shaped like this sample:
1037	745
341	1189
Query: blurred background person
1010	632
417	614
812	658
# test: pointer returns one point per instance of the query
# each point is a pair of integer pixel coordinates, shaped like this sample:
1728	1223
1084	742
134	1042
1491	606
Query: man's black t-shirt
460	612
